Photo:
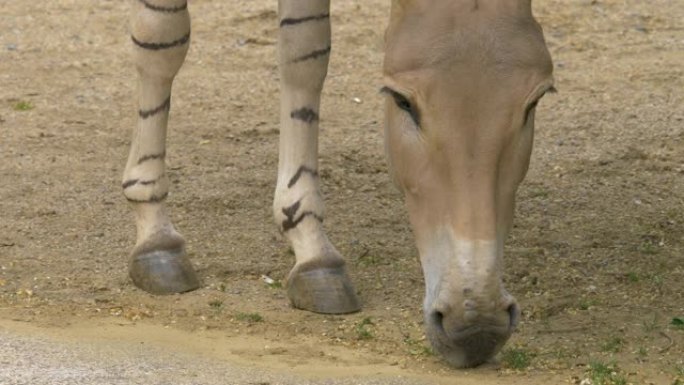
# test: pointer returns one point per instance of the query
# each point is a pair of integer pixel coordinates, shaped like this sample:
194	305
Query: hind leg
160	35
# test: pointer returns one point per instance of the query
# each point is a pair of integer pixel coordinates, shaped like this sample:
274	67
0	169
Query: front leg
319	281
160	35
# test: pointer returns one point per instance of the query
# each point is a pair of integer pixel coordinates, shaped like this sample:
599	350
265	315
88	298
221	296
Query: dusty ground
596	257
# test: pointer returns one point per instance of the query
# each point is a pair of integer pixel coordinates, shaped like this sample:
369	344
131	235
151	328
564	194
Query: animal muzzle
469	315
469	336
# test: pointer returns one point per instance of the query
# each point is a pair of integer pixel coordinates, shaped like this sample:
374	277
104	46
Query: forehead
454	35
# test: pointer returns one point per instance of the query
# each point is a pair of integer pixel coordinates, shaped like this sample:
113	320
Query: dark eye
403	103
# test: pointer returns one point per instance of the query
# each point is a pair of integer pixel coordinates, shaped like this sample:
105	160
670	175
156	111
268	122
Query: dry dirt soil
595	258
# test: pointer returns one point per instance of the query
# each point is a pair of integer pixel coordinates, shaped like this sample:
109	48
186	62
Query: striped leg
319	281
161	34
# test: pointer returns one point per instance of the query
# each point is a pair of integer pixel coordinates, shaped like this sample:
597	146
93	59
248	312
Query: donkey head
462	80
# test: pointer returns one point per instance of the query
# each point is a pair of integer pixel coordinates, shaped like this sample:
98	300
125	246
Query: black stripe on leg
298	20
304	114
148	182
290	222
145	158
158	8
312	55
129	183
162	107
152	199
298	174
158	46
132	182
292	210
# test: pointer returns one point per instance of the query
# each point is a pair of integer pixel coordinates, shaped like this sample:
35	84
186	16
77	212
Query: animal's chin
469	347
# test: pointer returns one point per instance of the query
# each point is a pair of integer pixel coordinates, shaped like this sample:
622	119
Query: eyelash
403	104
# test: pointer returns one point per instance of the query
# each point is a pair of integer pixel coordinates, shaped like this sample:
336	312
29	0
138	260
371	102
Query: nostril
514	313
438	319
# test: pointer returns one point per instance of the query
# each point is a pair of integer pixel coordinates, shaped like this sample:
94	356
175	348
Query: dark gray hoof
163	272
326	290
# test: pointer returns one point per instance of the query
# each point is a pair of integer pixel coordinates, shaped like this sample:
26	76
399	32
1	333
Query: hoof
163	272
326	290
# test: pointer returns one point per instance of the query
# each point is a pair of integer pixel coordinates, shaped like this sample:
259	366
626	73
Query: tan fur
467	71
472	73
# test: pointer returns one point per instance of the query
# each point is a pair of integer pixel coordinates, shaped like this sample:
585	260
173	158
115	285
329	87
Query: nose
471	334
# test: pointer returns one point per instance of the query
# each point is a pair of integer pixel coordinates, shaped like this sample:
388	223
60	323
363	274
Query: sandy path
57	357
116	353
